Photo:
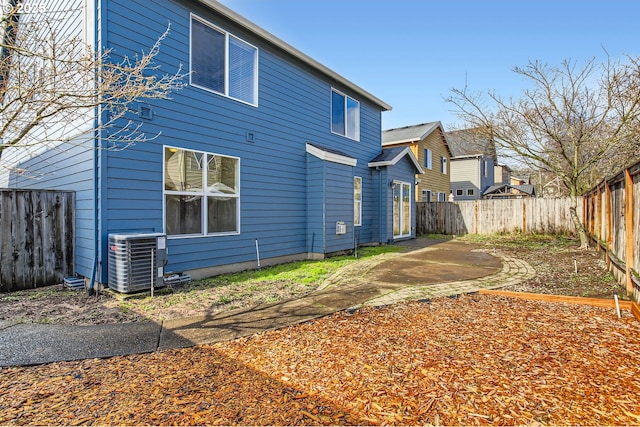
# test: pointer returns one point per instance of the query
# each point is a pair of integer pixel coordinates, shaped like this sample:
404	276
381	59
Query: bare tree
574	121
53	85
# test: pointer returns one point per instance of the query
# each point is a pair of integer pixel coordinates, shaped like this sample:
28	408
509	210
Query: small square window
470	192
459	192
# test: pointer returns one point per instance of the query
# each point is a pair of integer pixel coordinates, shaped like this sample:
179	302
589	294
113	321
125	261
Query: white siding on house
465	175
48	26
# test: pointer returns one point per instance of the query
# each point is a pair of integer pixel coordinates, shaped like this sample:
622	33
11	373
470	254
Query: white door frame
401	199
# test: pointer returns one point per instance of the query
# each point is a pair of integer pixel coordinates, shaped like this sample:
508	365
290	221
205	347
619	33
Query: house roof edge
264	34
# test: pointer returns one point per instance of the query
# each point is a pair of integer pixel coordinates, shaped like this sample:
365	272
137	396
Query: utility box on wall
341	227
136	261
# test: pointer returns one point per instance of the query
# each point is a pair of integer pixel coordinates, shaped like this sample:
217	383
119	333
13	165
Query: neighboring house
428	143
472	164
508	191
264	147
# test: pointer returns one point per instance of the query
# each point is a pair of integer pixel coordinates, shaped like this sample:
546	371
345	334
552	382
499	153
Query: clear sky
410	53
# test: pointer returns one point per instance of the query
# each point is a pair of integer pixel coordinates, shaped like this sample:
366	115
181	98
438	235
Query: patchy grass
523	240
56	304
553	258
35	294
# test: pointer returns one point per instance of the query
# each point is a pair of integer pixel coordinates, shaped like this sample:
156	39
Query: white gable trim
406	152
330	157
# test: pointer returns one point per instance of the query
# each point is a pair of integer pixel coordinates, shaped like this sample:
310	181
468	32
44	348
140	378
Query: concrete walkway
426	269
513	272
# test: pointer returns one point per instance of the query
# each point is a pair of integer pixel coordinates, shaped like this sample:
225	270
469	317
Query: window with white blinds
223	63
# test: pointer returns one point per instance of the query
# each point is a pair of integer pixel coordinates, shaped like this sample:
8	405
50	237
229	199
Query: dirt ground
554	258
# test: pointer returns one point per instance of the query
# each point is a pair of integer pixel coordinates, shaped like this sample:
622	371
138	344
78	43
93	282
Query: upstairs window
223	63
443	165
428	159
345	115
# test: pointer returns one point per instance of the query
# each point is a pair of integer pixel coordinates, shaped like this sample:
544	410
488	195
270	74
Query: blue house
264	146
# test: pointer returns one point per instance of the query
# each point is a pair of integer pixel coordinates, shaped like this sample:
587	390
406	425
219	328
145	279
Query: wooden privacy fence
612	218
36	238
529	215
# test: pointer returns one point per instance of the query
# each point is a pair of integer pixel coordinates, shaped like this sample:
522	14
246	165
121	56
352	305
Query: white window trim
346	119
471	192
459	192
203	194
443	165
442	197
360	201
226	62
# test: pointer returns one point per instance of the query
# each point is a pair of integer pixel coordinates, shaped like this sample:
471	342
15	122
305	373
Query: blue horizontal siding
277	203
315	201
338	206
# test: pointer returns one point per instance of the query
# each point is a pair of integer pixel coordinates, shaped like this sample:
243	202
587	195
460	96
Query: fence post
628	191
476	219
598	215
608	195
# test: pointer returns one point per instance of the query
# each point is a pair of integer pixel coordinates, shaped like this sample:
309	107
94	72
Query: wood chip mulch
473	360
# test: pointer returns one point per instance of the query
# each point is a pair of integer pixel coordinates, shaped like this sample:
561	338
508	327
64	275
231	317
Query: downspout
97	145
96	201
382	203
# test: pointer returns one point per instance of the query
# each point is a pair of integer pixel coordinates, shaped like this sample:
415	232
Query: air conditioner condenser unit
136	261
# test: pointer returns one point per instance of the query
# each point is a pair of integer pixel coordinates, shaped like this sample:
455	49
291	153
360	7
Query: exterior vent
341	227
136	261
145	112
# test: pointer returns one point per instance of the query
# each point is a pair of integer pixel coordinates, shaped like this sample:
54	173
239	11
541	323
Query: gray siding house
472	164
